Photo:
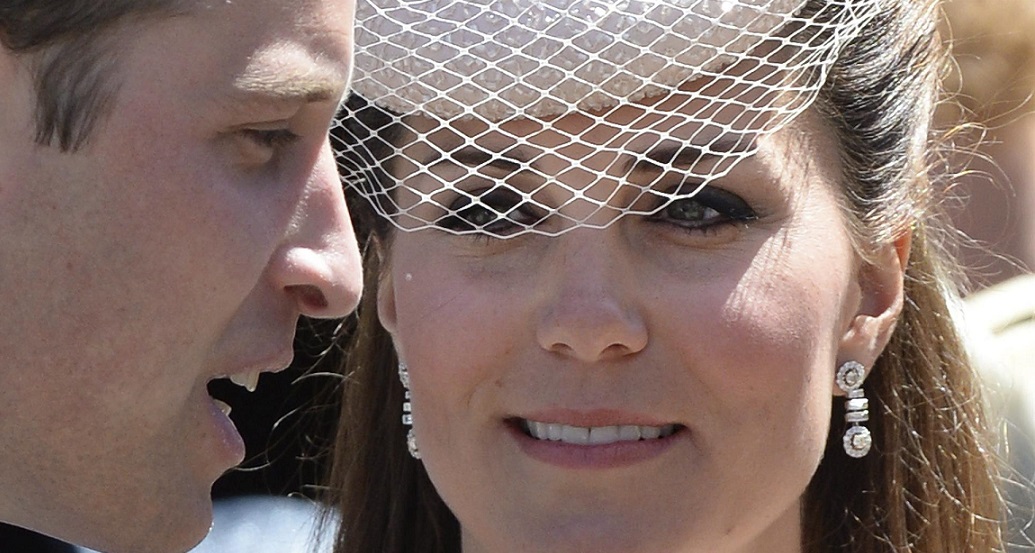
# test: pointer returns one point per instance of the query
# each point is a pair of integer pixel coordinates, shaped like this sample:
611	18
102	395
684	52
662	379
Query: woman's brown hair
928	486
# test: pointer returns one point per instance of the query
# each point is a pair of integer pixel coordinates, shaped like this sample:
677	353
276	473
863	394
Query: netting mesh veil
513	116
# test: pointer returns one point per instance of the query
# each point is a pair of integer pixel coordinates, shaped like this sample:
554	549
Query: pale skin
731	330
203	217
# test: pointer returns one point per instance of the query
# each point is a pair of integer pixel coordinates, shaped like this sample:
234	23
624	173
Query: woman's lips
595	435
593	447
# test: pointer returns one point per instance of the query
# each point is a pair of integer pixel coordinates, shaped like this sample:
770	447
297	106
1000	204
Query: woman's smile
594	435
601	446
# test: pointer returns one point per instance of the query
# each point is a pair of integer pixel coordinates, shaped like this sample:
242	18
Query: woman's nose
590	311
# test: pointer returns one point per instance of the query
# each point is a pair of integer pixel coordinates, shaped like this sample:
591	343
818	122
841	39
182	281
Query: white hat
499	61
543	57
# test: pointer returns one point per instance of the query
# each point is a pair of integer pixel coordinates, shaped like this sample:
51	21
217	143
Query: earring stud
407	408
857	439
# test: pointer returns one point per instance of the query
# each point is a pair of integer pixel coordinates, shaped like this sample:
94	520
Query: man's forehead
290	73
296	49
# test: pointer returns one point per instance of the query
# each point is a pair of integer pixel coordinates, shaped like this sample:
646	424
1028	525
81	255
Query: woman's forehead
667	140
679	116
506	58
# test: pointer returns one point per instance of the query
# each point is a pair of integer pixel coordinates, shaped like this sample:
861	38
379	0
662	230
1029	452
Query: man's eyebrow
308	86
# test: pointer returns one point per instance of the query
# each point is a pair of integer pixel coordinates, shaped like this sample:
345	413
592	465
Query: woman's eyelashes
494	212
708	209
501	211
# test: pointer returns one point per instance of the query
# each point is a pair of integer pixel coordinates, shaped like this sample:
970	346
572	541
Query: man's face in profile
203	216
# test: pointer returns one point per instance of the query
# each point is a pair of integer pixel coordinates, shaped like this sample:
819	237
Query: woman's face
664	384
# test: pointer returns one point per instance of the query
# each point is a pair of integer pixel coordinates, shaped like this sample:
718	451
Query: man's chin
172	531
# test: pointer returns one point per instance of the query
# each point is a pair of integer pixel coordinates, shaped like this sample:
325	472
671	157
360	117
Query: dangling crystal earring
407	417
857	439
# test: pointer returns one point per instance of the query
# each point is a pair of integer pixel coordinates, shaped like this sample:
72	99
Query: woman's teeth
595	435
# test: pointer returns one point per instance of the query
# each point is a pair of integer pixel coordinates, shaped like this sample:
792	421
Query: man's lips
247	374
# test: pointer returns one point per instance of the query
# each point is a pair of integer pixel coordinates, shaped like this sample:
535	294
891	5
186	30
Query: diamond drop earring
857	439
407	416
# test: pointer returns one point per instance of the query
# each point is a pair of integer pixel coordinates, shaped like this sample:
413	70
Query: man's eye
255	147
270	138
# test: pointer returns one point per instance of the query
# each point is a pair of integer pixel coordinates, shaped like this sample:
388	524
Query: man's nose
318	266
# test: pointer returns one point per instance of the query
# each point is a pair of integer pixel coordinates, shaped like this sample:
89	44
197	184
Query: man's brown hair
71	50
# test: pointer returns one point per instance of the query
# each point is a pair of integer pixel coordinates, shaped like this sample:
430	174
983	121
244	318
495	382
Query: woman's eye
690	211
495	212
707	208
478	215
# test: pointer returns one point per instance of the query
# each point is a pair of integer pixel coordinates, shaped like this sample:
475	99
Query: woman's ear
386	302
882	294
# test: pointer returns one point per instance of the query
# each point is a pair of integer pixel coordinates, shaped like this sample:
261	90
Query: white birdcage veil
543	115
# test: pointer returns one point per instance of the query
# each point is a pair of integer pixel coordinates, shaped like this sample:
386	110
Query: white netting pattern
513	116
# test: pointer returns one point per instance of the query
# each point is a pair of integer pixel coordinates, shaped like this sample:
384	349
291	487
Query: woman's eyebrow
685	155
473	156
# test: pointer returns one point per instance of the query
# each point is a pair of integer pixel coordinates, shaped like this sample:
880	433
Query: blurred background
991	161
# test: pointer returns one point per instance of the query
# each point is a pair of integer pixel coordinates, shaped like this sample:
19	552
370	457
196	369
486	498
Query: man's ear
882	294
